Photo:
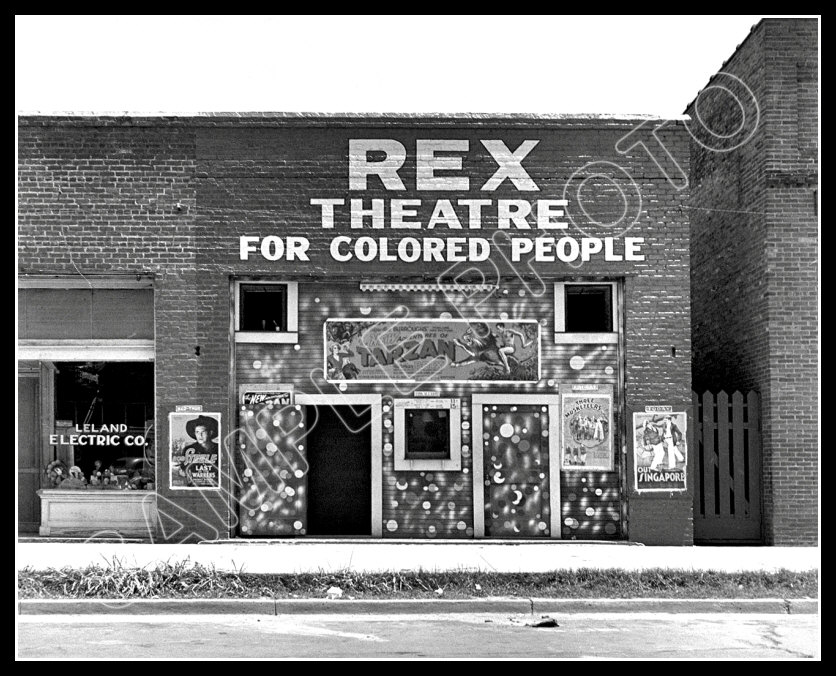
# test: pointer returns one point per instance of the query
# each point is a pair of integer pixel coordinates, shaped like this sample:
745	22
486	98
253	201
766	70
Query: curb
410	606
765	606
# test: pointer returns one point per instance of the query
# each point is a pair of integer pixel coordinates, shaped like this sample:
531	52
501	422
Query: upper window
588	308
586	312
266	312
85	314
82	319
263	307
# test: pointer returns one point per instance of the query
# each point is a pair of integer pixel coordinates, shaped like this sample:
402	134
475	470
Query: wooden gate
727	468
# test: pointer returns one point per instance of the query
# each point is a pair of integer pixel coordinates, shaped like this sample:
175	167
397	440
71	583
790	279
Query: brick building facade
197	213
754	255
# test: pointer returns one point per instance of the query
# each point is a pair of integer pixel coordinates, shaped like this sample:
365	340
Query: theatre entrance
339	455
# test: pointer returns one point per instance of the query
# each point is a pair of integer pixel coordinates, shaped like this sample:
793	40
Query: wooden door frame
375	402
550	400
47	412
43	372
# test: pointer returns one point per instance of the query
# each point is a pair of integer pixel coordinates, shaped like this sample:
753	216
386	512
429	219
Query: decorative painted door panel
518	471
272	470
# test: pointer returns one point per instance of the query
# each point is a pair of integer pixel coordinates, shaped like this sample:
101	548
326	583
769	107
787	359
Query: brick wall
754	260
169	197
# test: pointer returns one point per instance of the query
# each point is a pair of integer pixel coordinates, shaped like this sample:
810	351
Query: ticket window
428	434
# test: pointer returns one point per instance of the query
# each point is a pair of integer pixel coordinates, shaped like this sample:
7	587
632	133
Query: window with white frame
586	312
266	311
428	434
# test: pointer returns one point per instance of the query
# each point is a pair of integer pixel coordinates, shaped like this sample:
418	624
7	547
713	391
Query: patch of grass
184	579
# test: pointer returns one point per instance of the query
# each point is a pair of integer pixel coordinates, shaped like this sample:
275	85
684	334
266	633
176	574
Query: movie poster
586	430
275	398
432	350
660	452
194	450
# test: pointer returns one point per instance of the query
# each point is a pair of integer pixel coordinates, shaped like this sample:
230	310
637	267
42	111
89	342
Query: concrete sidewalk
517	606
296	556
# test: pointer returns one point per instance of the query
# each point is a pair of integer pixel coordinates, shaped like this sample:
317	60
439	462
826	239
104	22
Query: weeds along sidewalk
188	580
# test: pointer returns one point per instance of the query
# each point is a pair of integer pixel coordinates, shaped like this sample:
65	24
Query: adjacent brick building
754	256
157	249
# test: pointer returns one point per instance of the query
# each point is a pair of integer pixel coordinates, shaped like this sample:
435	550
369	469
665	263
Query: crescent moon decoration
401	487
516	529
497	465
498	478
518	499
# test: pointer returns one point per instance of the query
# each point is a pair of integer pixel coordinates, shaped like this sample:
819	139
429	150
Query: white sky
531	64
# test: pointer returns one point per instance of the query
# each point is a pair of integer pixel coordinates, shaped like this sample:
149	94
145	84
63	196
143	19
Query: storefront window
104	413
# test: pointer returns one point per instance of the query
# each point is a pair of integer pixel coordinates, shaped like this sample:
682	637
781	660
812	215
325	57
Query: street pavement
461	635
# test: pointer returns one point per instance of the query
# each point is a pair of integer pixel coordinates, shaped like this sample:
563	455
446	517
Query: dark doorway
340	473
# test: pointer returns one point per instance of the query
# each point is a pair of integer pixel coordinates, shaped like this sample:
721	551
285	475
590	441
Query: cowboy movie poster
660	450
194	450
432	350
586	431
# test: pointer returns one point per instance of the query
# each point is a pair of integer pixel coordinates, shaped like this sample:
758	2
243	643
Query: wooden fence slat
753	405
709	460
695	452
741	508
723	452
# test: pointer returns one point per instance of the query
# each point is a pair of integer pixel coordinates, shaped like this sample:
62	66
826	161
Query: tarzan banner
586	439
432	350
